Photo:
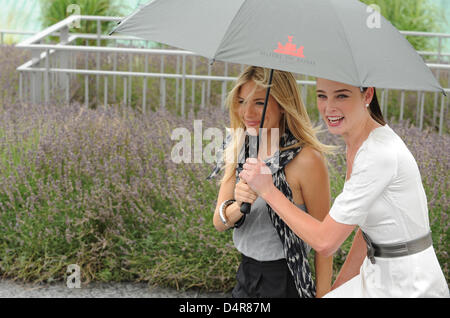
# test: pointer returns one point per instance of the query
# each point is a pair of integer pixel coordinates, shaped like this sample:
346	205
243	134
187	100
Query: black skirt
269	279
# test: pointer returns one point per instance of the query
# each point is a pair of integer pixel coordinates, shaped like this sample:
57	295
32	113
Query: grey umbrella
332	39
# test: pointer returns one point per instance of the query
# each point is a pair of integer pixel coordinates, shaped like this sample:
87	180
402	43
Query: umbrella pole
245	206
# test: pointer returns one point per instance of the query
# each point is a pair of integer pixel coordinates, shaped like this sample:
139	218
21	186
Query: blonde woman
274	260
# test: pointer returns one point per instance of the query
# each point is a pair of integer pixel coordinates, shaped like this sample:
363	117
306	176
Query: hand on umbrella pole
245	206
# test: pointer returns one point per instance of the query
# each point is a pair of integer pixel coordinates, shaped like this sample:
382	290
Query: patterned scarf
295	250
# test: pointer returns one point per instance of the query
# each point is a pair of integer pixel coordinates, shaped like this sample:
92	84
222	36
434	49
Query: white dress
385	198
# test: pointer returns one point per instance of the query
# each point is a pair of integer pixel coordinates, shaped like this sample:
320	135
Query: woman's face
251	104
341	106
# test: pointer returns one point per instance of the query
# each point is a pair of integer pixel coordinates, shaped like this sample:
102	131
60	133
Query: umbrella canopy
332	39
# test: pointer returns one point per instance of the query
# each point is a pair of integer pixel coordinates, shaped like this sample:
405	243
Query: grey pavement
14	289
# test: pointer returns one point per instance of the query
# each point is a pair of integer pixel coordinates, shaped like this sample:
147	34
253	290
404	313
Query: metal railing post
441	115
124	91
35	84
419	95
26	88
208	88
63	39
86	65
305	99
422	105
105	93
438	73
97	77
162	87
177	83
194	66
46	77
144	89
130	68
20	87
382	102
203	95
68	90
114	76
86	91
402	104
224	87
183	86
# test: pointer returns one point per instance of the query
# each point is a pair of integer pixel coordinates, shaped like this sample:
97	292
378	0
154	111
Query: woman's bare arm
354	260
325	237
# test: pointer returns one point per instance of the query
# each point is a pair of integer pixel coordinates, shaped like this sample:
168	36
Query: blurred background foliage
54	11
414	15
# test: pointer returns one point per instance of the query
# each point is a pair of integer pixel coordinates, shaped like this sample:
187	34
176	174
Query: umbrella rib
346	41
226	30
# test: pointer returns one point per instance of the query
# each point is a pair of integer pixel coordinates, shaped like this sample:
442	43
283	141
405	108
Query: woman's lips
334	121
252	123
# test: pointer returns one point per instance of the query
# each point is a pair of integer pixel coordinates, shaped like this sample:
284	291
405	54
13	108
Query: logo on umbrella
289	48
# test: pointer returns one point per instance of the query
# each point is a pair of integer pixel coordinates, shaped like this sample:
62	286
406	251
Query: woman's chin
334	130
252	131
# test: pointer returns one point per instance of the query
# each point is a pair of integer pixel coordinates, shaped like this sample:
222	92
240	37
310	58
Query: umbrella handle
245	206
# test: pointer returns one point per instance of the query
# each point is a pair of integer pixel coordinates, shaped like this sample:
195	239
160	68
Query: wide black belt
396	249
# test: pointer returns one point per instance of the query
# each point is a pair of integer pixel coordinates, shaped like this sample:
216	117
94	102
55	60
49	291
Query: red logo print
289	48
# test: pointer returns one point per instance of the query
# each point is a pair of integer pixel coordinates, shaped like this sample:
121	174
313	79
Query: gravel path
12	289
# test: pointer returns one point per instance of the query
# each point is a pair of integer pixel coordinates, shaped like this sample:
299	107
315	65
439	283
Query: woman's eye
321	96
342	96
260	103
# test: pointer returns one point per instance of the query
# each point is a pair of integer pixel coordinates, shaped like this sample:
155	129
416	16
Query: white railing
3	32
54	65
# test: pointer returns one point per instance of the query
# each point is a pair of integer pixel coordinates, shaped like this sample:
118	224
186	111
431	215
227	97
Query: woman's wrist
234	212
222	208
231	213
267	195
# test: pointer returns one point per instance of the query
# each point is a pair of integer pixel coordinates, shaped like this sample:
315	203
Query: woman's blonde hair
285	91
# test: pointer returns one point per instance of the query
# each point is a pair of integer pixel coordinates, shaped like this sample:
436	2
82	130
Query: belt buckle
370	248
371	253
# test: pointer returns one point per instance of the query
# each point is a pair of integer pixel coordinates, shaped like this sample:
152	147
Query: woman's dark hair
374	108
